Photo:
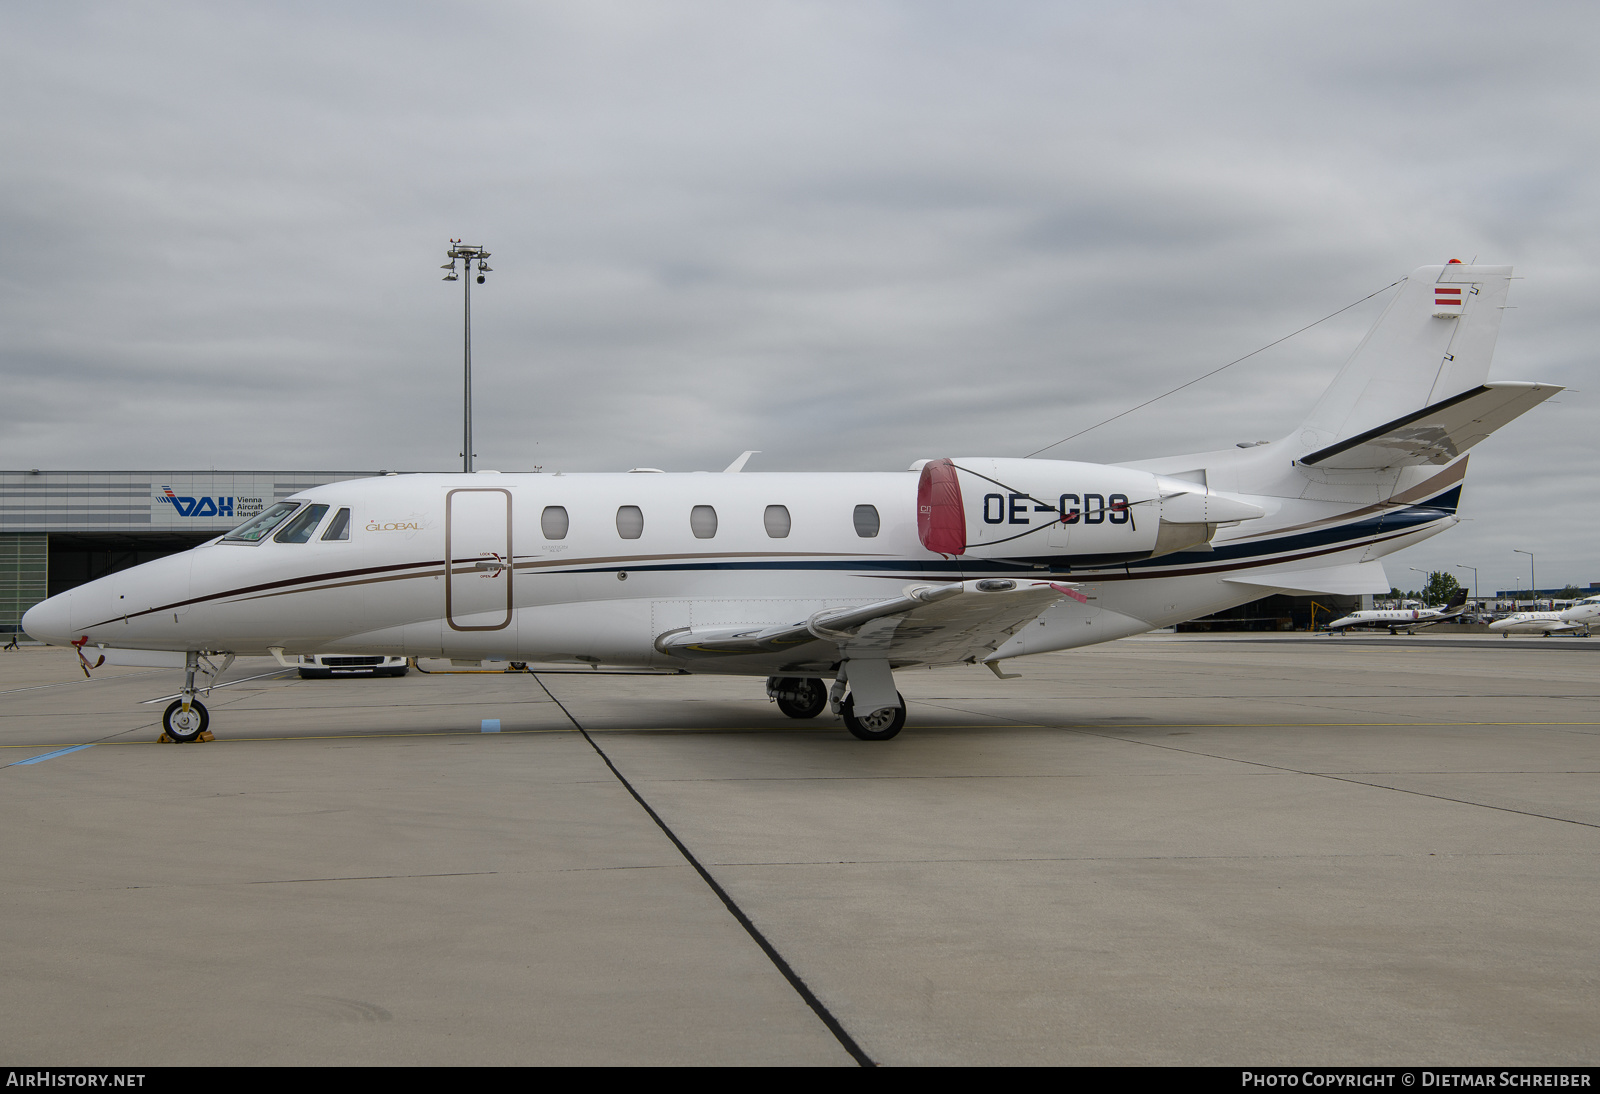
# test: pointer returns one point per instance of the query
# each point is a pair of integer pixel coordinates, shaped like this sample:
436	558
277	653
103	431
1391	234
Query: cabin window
630	521
304	523
339	526
776	518
553	522
867	523
703	521
256	528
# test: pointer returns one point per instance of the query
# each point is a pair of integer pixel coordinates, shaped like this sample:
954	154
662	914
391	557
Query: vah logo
197	507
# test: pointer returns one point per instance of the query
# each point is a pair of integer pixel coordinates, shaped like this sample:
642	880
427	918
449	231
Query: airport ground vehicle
322	665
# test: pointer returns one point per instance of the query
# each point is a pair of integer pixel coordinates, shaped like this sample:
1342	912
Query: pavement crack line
779	962
1088	732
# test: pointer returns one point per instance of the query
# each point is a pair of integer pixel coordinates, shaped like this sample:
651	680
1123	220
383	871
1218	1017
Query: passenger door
477	591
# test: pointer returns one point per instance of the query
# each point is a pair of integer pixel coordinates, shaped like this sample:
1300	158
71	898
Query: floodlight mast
468	253
1533	581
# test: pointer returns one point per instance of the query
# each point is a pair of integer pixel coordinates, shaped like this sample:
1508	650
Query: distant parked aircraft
1579	617
1406	619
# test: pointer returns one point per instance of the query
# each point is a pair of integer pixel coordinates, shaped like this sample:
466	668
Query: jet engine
1085	512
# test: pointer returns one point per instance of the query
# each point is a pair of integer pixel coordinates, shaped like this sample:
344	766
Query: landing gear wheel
810	697
182	727
877	726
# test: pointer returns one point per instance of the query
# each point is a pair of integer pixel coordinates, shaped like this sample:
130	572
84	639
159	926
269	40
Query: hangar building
59	529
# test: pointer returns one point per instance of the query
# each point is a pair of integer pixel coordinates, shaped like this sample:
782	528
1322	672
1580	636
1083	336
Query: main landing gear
187	719
807	697
798	696
880	725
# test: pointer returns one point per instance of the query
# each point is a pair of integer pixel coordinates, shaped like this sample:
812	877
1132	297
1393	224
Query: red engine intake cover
941	518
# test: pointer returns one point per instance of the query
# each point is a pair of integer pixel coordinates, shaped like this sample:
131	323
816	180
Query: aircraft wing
926	624
1435	434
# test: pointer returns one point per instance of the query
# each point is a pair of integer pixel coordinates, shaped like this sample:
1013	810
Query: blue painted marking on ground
49	755
491	725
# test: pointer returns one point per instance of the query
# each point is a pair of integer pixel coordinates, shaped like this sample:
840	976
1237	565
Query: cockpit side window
256	528
304	523
339	526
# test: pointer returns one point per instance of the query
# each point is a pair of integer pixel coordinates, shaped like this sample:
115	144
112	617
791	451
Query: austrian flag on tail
1447	300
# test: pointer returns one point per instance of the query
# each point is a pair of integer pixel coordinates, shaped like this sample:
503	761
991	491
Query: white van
350	664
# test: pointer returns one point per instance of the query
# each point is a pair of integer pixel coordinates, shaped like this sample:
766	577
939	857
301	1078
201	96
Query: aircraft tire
813	697
874	727
185	729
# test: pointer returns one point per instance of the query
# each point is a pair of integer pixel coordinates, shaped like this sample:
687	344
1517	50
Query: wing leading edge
925	624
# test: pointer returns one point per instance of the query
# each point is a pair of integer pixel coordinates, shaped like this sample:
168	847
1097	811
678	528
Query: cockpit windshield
300	528
256	528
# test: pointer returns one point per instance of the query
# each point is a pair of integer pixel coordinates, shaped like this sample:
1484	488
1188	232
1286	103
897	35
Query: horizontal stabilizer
1351	579
1435	434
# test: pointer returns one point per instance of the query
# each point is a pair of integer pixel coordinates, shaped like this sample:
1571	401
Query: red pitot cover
941	519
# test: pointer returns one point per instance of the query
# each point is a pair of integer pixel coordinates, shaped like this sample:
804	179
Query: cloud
849	236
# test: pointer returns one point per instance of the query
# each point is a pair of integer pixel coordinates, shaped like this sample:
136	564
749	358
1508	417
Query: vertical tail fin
1433	341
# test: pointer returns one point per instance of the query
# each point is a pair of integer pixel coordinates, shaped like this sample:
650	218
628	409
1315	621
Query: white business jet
827	583
1579	617
1402	619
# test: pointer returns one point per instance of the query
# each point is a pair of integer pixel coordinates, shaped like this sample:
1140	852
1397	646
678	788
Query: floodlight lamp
480	279
483	267
449	277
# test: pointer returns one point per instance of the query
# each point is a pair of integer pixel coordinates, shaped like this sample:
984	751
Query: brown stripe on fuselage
1224	567
309	579
265	585
276	587
1449	476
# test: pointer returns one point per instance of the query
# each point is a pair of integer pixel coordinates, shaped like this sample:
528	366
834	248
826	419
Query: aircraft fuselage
593	568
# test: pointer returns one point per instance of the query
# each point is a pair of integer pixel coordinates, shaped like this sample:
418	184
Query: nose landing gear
185	722
187	719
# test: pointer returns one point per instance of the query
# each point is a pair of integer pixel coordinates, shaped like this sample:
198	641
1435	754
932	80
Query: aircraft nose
50	621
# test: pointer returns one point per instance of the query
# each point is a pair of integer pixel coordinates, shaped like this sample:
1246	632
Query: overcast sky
850	235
